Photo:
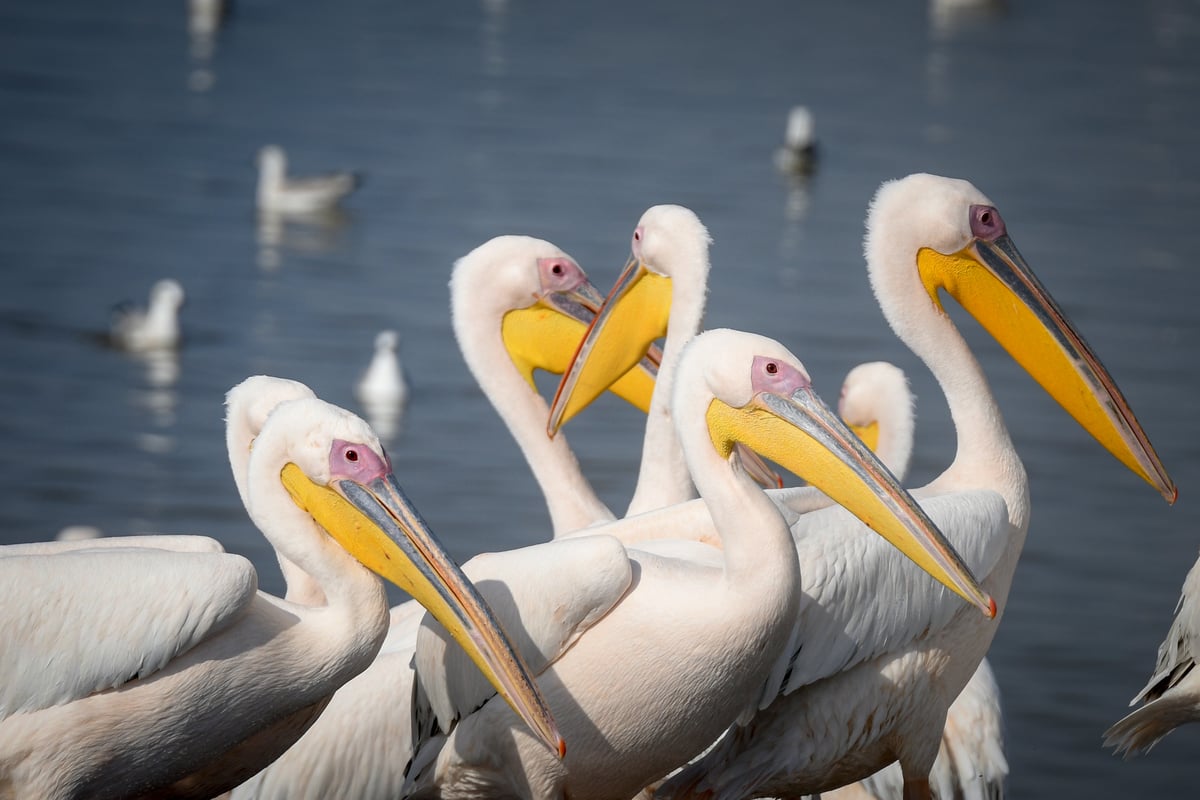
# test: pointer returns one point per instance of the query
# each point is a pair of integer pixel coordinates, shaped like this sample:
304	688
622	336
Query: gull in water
382	389
798	155
155	327
277	193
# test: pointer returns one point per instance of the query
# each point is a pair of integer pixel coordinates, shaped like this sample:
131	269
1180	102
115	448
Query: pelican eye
772	368
352	455
986	223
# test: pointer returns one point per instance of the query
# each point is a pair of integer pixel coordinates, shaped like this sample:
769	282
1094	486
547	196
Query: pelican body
879	653
147	671
649	655
519	305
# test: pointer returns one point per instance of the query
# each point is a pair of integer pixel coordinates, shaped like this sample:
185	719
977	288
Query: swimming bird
131	671
281	194
155	327
383	383
798	154
1172	696
382	389
883	657
518	305
647	657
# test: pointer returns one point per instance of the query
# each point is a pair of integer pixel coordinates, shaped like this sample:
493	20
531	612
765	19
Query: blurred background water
127	152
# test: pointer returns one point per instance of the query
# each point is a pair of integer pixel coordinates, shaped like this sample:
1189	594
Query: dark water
127	151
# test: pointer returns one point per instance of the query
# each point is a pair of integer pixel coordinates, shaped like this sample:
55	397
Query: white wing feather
544	596
158	541
84	621
863	599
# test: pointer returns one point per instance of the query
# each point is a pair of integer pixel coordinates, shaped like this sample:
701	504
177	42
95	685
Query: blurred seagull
280	194
382	389
798	155
383	382
155	327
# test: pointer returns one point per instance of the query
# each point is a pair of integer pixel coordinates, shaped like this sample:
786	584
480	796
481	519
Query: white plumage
510	299
677	646
281	194
155	327
208	679
798	153
1172	696
884	654
383	383
970	765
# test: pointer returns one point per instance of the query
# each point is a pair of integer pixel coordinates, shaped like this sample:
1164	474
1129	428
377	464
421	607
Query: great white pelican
879	653
139	671
645	657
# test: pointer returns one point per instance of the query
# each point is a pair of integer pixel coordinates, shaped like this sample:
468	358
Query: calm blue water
127	154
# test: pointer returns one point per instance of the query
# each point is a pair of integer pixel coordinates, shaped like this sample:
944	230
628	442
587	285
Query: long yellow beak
993	283
632	317
378	525
869	434
546	335
800	433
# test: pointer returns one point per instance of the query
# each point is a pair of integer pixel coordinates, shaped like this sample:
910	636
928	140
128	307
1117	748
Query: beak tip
562	749
1170	493
990	613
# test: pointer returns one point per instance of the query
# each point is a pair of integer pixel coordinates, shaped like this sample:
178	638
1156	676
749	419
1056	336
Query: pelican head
761	397
336	471
956	241
670	256
542	301
873	390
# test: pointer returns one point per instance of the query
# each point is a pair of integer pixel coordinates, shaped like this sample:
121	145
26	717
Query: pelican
648	657
798	154
674	309
879	653
139	671
277	193
155	327
877	405
1172	696
518	305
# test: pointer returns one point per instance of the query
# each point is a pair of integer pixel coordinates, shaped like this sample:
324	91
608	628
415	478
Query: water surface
126	155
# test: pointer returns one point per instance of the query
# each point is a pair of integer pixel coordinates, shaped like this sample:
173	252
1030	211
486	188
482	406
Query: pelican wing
1177	653
157	541
544	596
89	620
863	598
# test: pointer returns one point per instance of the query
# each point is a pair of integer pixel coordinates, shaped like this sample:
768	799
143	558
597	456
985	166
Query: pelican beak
991	280
546	334
800	433
869	434
377	524
632	317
